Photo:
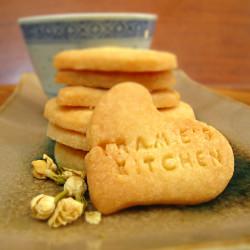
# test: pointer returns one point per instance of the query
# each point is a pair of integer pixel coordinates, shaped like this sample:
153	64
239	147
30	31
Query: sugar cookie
139	158
115	59
67	137
76	119
181	111
97	79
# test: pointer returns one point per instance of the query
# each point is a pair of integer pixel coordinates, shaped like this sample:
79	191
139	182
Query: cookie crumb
93	217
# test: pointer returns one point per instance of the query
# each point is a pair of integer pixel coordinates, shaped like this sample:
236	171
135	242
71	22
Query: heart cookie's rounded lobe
81	96
77	118
124	113
140	158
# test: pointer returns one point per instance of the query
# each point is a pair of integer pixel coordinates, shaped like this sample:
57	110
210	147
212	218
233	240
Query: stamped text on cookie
168	151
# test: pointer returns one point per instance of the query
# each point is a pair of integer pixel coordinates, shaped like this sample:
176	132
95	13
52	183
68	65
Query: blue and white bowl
47	35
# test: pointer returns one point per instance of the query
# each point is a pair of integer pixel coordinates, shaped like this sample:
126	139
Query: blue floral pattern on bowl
87	29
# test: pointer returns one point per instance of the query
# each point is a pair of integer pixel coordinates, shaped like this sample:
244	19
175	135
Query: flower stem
61	195
59	169
56	178
80	198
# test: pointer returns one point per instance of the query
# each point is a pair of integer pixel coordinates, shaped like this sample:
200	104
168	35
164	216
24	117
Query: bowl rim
87	15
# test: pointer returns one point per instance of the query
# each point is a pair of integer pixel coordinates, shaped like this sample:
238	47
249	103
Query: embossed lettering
165	138
141	143
186	159
207	134
169	162
160	142
120	162
215	156
111	148
184	136
201	158
148	160
123	147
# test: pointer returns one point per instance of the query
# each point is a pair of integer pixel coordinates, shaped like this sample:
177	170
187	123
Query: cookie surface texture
80	96
182	111
67	137
76	119
138	158
115	59
106	80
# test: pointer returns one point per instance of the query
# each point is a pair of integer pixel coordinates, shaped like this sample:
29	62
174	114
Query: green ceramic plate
221	224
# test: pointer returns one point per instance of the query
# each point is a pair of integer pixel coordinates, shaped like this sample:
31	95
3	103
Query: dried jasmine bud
67	172
59	210
50	163
43	169
67	211
42	206
39	169
76	187
93	217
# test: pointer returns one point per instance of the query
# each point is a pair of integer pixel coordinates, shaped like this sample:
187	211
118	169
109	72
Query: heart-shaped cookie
139	158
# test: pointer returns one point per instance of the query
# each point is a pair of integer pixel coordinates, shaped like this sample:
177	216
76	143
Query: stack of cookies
140	143
88	75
